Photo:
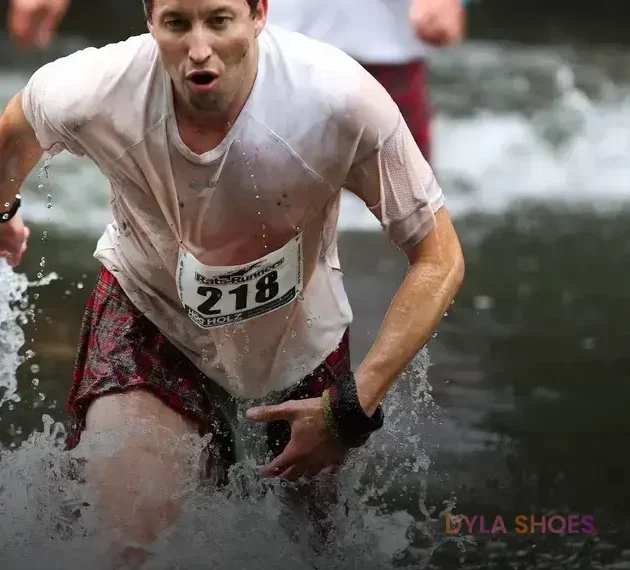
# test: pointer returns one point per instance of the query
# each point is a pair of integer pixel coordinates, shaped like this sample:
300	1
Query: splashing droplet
35	382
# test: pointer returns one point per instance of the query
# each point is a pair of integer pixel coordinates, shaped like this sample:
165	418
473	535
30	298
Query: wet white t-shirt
233	253
371	31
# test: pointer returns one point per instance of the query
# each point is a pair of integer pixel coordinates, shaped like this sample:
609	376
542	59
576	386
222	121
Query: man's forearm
416	310
19	151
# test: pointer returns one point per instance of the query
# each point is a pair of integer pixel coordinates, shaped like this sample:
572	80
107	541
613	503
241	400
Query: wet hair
148	7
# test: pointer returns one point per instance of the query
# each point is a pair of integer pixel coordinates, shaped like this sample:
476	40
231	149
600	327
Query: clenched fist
13	240
35	22
438	22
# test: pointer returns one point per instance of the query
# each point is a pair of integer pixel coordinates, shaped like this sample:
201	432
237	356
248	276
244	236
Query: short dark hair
148	7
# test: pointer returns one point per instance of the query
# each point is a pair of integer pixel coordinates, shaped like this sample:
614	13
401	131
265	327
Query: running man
226	144
392	39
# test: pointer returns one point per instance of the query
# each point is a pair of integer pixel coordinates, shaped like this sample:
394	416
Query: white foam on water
50	519
514	124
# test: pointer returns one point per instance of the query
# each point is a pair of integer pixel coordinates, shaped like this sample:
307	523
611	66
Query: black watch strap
10	213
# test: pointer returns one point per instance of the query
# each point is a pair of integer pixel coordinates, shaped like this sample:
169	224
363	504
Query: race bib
216	296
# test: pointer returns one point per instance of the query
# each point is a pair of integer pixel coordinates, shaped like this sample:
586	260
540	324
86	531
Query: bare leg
316	499
140	485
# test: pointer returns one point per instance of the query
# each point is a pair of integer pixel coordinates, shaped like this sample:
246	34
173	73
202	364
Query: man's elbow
456	269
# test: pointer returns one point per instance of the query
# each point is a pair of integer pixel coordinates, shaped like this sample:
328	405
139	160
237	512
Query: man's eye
220	21
175	24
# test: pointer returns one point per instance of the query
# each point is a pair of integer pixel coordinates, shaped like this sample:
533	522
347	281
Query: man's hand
438	22
34	22
13	239
312	447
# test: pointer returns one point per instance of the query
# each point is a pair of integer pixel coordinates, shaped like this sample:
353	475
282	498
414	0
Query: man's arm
435	275
19	154
19	150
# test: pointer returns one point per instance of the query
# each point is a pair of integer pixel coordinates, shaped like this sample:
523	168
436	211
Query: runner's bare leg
139	487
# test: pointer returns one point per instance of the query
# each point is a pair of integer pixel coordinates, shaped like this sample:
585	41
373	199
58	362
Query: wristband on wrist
6	215
344	415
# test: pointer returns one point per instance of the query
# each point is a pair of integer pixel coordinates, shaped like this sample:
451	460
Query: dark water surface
530	373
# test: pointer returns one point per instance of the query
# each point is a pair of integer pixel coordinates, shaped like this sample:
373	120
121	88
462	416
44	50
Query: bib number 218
266	290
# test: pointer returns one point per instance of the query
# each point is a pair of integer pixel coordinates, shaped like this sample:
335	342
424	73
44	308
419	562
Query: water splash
15	310
49	518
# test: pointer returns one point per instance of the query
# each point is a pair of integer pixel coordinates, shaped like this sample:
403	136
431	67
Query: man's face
207	47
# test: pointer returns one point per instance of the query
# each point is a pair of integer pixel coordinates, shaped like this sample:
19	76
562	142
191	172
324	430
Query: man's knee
143	458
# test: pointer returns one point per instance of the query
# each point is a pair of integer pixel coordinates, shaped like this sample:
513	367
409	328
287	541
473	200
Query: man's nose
200	48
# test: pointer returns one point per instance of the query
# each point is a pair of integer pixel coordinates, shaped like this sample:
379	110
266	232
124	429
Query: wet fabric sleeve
399	187
55	99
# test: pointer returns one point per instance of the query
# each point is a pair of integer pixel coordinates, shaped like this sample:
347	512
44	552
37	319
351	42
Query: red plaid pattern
120	350
408	86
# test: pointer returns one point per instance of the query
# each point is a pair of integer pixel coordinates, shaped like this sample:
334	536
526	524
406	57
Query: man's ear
260	17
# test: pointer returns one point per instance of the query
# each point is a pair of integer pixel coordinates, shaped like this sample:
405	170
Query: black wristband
345	416
10	213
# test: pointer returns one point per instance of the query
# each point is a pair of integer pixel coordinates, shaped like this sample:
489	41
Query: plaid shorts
408	86
120	349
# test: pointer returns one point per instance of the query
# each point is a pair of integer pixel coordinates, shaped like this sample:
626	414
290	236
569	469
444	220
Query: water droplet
284	349
293	334
42	263
36	296
35	368
7	205
29	354
40	187
40	275
5	216
434	335
309	323
264	227
446	314
483	302
79	285
41	396
35	382
259	213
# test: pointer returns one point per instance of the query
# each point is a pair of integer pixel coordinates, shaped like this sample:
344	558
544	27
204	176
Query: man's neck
204	130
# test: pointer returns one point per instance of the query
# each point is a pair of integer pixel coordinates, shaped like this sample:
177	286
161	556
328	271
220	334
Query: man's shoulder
311	79
319	89
96	87
309	64
99	69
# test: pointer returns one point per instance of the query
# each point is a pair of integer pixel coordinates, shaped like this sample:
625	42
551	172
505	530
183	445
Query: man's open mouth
202	78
